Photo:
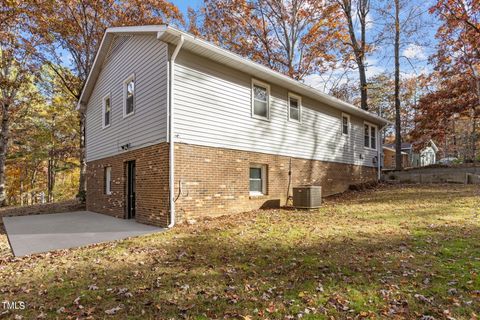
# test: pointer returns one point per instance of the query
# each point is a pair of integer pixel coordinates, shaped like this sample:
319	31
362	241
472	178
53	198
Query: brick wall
209	181
57	207
216	181
151	184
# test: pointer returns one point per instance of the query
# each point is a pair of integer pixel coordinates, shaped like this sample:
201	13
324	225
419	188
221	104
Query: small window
373	137
107	108
294	107
108	180
370	136
366	135
258	183
260	100
345	123
129	96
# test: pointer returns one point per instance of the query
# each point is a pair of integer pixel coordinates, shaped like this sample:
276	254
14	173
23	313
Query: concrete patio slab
42	233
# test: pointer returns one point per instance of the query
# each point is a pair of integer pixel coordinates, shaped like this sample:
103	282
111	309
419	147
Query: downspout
379	153
171	136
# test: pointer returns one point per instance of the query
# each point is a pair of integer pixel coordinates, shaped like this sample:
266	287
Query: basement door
131	186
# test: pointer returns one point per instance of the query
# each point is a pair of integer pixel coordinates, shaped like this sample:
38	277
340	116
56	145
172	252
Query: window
106	111
108	180
260	100
129	96
370	136
258	181
345	123
294	107
373	137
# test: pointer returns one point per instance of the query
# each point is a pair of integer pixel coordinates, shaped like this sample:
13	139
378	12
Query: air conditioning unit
307	197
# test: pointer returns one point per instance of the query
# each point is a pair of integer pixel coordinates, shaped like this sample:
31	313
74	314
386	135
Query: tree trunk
398	129
363	85
50	181
83	165
4	135
358	50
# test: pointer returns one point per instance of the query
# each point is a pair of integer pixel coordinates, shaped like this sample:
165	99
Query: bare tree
359	48
403	26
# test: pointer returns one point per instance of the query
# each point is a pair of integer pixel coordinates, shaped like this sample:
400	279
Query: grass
400	252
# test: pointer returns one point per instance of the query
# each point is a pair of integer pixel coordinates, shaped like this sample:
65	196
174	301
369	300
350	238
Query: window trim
125	84
266	86
299	99
108	182
104	107
349	124
263	168
370	125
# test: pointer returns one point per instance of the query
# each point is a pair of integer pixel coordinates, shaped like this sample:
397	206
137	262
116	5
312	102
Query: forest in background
47	49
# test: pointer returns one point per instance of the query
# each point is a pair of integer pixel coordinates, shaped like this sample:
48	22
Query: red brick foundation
209	181
151	185
216	181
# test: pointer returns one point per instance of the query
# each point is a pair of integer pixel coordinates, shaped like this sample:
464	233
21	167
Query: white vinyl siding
146	57
213	108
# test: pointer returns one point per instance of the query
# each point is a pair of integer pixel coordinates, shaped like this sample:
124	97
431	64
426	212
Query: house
425	157
389	159
178	128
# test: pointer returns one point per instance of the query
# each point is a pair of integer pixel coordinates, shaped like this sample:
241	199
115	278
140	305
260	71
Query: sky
414	51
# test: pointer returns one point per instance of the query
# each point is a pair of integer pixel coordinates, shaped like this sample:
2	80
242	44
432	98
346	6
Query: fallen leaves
360	256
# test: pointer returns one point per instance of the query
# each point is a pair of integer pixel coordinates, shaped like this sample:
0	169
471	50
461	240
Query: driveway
42	233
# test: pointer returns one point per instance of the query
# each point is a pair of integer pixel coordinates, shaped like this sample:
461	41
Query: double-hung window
260	100
258	179
370	136
129	96
294	107
107	111
345	124
108	180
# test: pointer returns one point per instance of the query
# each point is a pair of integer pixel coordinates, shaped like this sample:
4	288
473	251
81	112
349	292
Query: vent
307	197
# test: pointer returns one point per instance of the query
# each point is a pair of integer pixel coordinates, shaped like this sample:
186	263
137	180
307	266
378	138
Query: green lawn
395	252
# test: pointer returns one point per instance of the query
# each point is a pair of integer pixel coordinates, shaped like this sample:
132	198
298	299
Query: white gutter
171	154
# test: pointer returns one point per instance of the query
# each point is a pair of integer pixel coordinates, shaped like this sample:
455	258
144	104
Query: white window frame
349	126
104	108
370	125
299	99
108	180
266	86
263	168
125	84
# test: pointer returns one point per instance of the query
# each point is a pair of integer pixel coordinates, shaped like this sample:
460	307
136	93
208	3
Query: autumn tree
458	56
17	67
454	96
357	11
75	28
295	37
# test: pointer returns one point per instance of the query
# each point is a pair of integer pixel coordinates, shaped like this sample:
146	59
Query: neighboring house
389	160
425	157
243	135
